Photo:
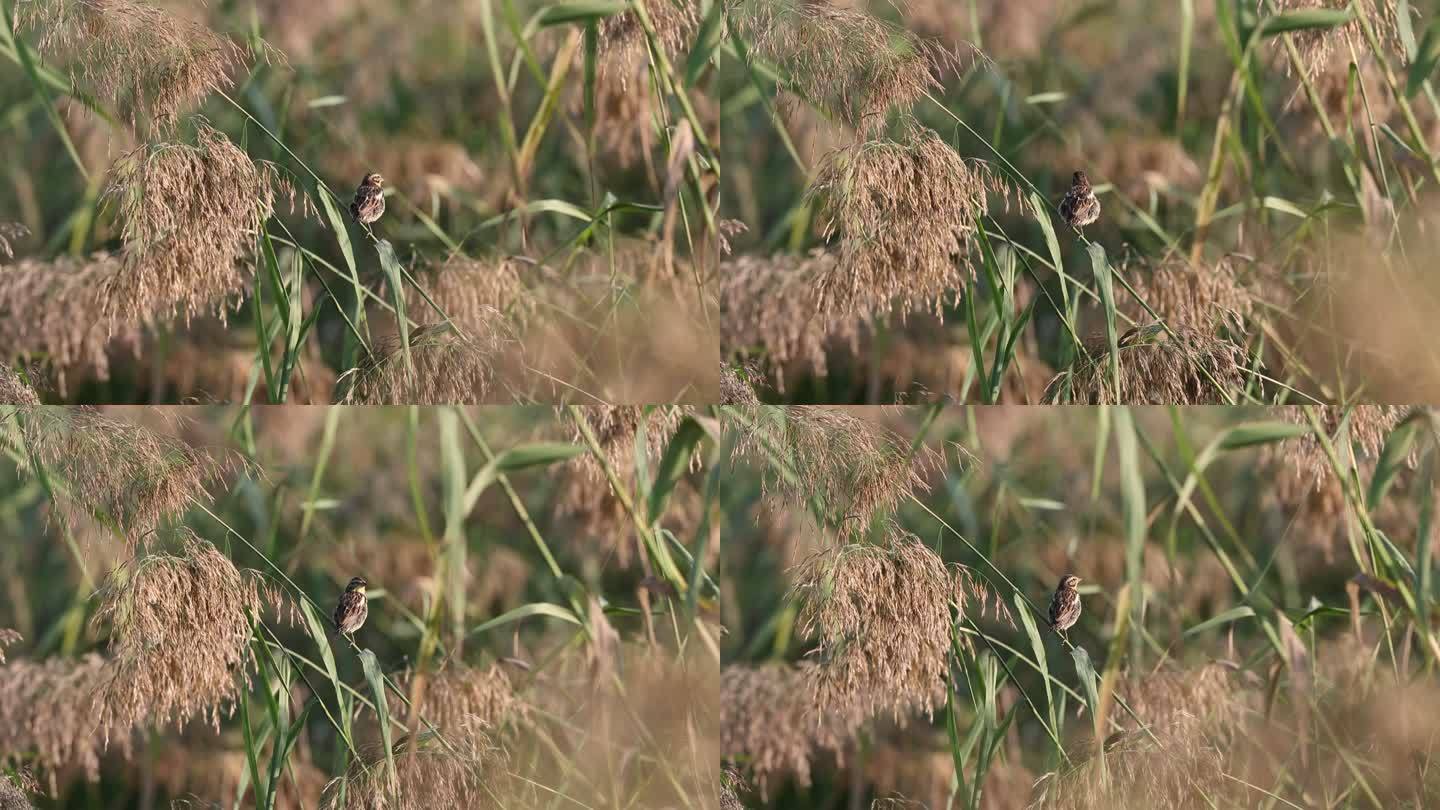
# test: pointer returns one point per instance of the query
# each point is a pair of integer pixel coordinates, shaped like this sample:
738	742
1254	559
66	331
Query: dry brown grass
442	366
770	727
13	391
49	715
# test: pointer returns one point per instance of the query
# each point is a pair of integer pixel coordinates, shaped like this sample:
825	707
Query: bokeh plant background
173	214
1258	626
1266	172
537	638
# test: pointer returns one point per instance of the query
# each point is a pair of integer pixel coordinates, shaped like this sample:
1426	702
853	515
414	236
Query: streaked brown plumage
353	608
369	202
1065	604
1080	206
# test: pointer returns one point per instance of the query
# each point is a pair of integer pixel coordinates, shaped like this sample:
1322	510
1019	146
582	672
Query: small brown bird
369	202
353	608
1065	605
1080	206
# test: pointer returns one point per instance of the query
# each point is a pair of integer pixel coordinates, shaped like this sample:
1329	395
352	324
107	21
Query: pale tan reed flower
852	467
443	366
151	63
118	471
849	62
906	213
458	694
461	767
770	729
180	628
1156	367
7	638
13	391
771	311
881	616
1317	47
50	715
191	216
11	232
55	310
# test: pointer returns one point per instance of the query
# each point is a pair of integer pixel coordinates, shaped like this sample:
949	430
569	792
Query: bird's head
1078	179
374	179
1069	581
357	585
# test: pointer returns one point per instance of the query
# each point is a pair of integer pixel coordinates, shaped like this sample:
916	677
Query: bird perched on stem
1080	206
353	608
1065	605
369	202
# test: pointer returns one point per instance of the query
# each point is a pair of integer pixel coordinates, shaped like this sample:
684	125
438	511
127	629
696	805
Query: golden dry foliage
880	616
180	637
129	476
1317	46
906	212
12	797
1156	367
150	63
734	389
191	216
1196	297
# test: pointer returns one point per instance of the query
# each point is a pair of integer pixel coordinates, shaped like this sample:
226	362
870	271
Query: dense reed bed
1257	626
1265	172
175	226
542	628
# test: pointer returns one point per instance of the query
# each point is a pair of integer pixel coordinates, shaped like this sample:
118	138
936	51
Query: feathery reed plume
907	212
191	217
769	727
458	694
151	63
770	307
1156	367
49	715
733	389
1200	298
1364	427
15	392
441	367
7	637
180	636
460	767
115	470
472	292
1316	46
854	468
56	310
623	46
881	616
730	784
9	232
1191	717
12	797
842	59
